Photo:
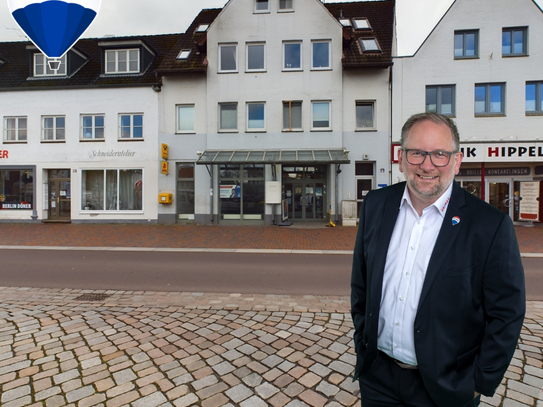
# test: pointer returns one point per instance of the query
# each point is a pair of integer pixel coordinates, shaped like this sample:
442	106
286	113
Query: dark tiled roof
16	72
380	15
196	42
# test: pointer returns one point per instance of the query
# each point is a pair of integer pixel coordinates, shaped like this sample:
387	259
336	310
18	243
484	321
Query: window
112	190
17	189
361	24
261	6
185	119
369	45
53	128
440	99
466	44
184	54
320	58
228	116
345	22
130	126
202	28
364	115
228	57
256	117
514	41
42	66
92	127
123	61
286	5
534	97
185	191
15	129
256	57
320	116
489	99
292	115
292	56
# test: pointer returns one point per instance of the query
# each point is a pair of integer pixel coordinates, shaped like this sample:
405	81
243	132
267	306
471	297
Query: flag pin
455	220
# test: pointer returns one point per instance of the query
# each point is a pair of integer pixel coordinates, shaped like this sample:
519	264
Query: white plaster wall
434	64
76	155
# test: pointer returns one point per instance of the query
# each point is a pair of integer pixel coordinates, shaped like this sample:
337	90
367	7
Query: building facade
481	66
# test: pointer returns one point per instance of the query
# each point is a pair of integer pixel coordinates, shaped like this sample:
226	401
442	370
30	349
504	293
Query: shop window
364	178
53	128
130	126
185	119
92	127
320	55
534	97
320	116
466	44
292	115
242	192
112	190
15	129
122	61
440	99
228	58
256	57
489	99
292	56
16	189
42	67
365	115
185	191
514	42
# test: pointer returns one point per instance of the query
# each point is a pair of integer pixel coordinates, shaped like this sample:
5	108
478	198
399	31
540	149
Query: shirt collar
441	204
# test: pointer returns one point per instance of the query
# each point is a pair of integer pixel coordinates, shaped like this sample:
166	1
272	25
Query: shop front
17	192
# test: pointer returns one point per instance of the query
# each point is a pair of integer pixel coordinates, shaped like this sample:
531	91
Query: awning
323	156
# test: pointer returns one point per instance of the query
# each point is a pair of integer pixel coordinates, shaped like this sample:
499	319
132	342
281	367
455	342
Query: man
437	283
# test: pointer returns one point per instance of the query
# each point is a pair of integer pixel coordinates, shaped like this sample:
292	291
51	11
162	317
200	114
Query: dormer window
123	61
184	54
369	45
202	28
262	6
361	24
41	66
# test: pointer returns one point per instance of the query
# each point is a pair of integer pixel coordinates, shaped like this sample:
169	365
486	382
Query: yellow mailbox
165	198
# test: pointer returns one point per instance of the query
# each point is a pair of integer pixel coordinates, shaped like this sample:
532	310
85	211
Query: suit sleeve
504	308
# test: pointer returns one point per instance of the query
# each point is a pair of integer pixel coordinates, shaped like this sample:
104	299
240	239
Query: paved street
67	347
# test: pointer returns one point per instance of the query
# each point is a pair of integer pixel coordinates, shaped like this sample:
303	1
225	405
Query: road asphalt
111	348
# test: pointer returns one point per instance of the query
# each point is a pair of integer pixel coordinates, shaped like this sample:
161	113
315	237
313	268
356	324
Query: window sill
293	131
514	55
229	131
53	141
490	115
185	132
463	58
256	71
15	142
261	12
290	10
534	113
255	131
90	140
293	70
321	130
130	139
227	72
321	69
366	130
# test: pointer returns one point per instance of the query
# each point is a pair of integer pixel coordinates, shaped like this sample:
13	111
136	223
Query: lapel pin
455	220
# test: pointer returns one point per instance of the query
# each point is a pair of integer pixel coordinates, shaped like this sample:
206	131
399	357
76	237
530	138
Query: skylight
345	22
184	54
369	45
202	28
361	24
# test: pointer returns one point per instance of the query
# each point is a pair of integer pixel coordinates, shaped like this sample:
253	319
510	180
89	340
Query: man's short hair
437	119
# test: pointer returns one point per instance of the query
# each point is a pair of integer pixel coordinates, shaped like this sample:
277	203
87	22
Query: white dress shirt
409	252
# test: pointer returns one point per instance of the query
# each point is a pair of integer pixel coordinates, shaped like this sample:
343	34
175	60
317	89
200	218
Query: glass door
499	196
60	200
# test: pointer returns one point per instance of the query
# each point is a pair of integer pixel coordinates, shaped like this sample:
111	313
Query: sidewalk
81	348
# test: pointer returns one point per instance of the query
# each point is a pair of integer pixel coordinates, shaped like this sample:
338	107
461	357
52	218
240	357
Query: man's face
426	181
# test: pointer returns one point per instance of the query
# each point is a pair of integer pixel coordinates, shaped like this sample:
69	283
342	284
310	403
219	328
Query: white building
277	107
80	143
481	65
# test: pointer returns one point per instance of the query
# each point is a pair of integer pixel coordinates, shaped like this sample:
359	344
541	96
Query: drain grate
92	297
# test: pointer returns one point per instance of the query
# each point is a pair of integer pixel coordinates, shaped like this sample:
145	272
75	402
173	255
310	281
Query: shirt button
407	273
397	324
412	247
401	298
396	347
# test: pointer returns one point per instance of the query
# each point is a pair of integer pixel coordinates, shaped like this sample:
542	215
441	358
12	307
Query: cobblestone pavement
145	349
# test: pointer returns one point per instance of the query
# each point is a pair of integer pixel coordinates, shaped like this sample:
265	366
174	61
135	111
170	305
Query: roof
15	73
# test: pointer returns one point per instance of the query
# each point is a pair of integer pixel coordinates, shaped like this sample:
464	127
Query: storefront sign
3	153
111	153
529	203
476	172
502	152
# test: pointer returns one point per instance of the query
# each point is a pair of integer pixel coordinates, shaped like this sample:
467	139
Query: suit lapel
445	239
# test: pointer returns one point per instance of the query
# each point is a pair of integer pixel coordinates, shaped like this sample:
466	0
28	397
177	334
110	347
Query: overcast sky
416	18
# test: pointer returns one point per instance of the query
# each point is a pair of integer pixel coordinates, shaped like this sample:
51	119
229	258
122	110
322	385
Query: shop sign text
510	152
4	153
111	153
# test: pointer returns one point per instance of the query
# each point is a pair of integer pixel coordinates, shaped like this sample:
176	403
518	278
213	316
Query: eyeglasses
438	158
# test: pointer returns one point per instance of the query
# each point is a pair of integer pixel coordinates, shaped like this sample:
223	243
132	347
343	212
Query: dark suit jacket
472	303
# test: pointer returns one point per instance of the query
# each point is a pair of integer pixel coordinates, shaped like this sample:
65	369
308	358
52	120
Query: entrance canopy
324	156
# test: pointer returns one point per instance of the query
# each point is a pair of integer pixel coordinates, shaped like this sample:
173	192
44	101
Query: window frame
220	67
116	53
184	54
220	121
367	50
178	107
321	128
321	68
94	127
463	33
285	9
132	126
365	103
55	129
17	129
261	10
255	44
439	99
295	69
538	98
356	26
248	113
47	72
511	31
488	99
290	128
